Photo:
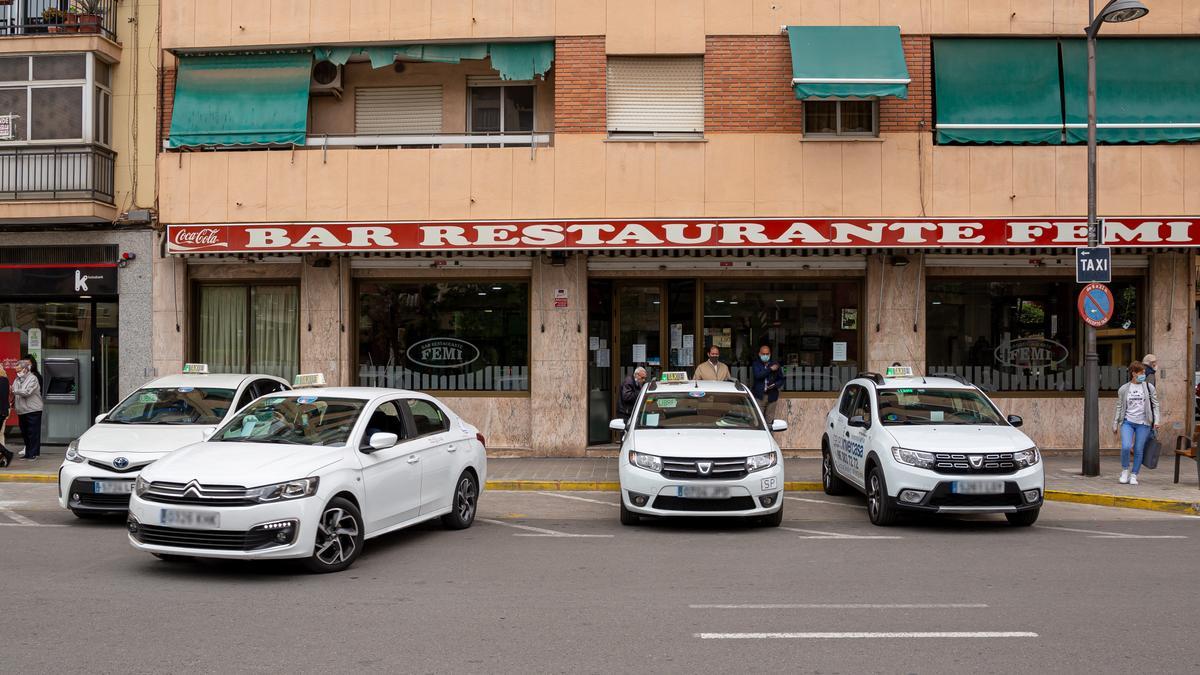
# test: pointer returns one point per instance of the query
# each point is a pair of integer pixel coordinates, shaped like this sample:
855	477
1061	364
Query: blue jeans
1133	436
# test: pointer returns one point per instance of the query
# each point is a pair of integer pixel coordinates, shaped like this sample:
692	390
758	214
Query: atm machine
66	384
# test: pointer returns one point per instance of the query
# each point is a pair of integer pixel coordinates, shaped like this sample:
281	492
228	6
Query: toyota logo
120	462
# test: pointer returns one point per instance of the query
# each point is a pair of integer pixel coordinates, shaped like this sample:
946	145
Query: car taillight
479	437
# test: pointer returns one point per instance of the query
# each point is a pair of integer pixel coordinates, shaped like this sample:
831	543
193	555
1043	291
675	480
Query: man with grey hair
630	388
1150	361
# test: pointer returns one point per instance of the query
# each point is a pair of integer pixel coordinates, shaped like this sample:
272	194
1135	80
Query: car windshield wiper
108	421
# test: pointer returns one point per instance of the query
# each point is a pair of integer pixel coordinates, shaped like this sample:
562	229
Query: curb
14	477
1143	503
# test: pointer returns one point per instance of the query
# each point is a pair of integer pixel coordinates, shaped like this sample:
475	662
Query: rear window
697	409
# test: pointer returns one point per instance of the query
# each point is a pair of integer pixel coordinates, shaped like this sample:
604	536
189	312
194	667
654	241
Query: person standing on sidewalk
27	400
6	456
1137	417
768	380
627	396
1150	361
712	369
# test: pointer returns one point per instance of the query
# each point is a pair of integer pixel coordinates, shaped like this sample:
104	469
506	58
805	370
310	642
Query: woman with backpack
27	400
1136	419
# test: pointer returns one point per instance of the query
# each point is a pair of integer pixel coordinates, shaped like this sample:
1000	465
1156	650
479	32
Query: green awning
847	62
241	99
514	60
1147	90
997	91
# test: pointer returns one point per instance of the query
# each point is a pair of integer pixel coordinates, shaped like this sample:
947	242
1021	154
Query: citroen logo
192	488
120	462
976	461
704	467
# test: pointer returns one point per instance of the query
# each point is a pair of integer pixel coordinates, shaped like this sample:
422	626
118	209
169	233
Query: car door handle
451	448
413	459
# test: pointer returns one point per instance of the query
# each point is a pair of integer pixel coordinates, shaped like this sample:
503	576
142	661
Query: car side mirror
616	425
381	440
208	433
100	417
778	426
1015	420
857	421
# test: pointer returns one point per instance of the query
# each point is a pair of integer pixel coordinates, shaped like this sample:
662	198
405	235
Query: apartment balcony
40	26
72	183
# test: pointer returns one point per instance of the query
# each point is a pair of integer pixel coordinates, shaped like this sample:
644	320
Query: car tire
880	508
463	504
629	517
830	481
172	558
772	519
1023	518
339	538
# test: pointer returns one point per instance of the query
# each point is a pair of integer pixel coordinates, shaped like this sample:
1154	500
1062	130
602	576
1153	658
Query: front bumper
747	495
939	495
223	540
77	488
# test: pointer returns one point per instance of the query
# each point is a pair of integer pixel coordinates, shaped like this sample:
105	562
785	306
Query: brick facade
916	112
747	85
166	103
580	74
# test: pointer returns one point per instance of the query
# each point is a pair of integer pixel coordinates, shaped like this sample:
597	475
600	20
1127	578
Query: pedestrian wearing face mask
712	369
27	401
768	381
1137	417
1150	361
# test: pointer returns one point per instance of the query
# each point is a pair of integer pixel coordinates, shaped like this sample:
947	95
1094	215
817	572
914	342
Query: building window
55	98
1025	334
387	111
655	96
841	118
249	329
497	108
447	336
811	327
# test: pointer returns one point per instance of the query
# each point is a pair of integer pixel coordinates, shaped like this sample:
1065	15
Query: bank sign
538	235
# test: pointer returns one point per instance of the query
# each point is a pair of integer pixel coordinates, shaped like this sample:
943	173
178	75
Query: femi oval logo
443	353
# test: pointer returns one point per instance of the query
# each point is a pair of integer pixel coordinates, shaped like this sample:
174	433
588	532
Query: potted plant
54	18
88	15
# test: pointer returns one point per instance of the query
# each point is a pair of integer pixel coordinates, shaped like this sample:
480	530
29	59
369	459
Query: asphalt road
550	582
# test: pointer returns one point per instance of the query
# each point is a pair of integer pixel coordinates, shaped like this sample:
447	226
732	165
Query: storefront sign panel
663	233
443	353
43	280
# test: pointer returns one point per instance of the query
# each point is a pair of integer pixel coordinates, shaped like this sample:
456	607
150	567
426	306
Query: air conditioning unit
326	79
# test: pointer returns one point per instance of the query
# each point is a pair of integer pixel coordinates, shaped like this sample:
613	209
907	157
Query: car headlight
760	462
917	458
73	452
644	461
1028	457
292	489
140	486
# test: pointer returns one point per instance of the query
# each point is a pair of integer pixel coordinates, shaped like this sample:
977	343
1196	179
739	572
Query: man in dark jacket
630	388
768	380
6	456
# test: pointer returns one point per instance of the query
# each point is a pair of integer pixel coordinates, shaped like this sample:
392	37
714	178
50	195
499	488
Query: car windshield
936	406
698	409
294	420
172	405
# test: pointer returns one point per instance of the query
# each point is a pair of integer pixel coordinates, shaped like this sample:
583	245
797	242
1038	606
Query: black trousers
31	431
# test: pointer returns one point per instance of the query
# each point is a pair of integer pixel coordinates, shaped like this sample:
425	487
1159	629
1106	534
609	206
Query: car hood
960	438
247	464
139	441
701	443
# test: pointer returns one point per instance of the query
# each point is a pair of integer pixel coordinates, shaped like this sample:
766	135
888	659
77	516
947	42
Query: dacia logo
120	462
704	467
976	461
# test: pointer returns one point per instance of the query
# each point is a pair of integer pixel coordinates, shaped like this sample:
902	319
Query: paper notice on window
593	343
603	343
651	419
639	353
676	335
937	416
839	351
602	358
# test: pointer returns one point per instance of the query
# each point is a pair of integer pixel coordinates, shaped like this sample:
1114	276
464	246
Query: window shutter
656	94
379	111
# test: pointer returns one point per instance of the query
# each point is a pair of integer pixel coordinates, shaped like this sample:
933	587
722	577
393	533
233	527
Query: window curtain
276	336
222	329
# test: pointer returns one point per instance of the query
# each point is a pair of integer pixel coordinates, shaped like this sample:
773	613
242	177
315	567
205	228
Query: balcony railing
56	172
58	17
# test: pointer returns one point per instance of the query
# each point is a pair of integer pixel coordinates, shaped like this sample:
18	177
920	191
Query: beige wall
134	105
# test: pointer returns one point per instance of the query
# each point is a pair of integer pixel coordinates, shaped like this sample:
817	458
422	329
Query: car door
391	476
856	436
837	428
438	446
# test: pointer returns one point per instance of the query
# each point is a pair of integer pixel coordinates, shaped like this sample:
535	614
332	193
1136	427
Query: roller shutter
654	95
381	111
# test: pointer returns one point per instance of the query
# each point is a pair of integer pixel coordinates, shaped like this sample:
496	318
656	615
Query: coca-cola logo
204	237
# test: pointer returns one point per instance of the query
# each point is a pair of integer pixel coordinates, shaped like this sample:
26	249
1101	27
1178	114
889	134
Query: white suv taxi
699	448
932	444
97	475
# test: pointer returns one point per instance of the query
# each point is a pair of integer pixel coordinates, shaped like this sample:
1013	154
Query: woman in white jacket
27	401
1137	416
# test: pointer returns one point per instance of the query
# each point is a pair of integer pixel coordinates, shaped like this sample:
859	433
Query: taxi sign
899	371
674	376
308	380
195	369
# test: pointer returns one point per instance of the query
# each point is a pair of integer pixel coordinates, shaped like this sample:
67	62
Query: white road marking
18	519
542	532
860	636
848	606
825	501
1101	534
821	534
580	499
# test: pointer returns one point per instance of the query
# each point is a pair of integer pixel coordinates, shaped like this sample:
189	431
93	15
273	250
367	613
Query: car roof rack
872	376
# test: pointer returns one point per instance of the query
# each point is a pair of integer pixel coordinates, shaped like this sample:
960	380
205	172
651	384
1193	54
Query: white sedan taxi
97	475
310	474
699	448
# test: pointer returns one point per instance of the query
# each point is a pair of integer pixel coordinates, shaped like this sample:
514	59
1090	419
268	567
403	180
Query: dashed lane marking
1101	534
821	534
543	532
578	499
849	606
863	635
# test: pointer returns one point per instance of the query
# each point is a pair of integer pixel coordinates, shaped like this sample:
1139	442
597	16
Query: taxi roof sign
195	369
674	376
308	380
899	371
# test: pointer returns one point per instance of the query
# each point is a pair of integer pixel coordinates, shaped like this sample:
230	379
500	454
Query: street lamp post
1116	11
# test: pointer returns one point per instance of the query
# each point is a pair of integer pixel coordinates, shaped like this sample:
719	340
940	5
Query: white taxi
97	474
699	448
932	444
310	474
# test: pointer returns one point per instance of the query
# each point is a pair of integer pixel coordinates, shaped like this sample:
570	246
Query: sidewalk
1064	481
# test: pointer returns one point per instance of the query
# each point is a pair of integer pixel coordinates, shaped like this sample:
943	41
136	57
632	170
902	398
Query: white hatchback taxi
932	444
97	475
309	474
699	448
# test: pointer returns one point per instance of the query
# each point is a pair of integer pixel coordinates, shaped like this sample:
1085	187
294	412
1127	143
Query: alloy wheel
337	536
464	499
873	496
826	470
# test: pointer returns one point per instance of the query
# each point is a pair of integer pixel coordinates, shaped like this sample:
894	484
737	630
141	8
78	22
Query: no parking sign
1096	305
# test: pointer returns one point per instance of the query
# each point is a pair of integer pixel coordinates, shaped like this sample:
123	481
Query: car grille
963	462
195	494
220	540
727	468
109	467
88	499
668	503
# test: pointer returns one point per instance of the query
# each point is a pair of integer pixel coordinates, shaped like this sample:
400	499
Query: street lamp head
1120	11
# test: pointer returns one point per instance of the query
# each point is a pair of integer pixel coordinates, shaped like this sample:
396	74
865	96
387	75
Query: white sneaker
1133	479
1124	477
21	453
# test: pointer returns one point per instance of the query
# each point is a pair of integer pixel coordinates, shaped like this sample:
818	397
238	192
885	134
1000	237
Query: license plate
977	487
189	519
112	487
770	483
702	491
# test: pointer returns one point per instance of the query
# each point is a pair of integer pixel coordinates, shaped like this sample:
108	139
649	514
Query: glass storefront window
1025	334
64	325
449	336
249	329
812	328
